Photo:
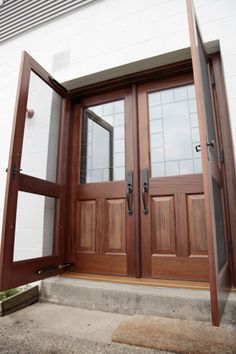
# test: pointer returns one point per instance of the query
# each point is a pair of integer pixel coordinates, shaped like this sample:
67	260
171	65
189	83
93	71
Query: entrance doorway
170	207
113	183
132	205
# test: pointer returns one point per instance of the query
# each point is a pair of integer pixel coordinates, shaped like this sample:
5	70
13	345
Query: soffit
137	66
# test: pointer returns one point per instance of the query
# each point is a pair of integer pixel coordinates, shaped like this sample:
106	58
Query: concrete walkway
56	329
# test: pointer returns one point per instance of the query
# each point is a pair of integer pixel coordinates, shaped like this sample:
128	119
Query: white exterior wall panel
109	33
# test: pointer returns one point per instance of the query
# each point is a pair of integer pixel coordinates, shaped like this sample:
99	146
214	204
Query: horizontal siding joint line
19	16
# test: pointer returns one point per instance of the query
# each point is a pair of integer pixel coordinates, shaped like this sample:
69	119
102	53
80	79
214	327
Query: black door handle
129	190
145	188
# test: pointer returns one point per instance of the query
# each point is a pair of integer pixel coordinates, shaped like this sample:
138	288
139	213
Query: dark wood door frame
163	73
70	111
223	119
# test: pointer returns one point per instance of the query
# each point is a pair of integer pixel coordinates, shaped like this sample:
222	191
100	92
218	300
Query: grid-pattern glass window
103	143
174	132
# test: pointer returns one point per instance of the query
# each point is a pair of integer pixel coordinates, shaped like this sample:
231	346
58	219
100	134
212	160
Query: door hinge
53	268
222	156
14	171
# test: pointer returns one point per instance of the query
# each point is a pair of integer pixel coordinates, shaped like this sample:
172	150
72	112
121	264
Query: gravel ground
56	329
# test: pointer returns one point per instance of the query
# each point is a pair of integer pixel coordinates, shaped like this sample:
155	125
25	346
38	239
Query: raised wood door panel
197	224
212	173
105	238
102	229
173	232
114	235
163	225
87	226
178	236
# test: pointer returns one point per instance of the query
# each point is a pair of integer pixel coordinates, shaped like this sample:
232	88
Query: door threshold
165	283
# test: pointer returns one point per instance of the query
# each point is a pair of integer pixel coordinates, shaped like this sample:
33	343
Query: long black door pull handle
145	188
129	190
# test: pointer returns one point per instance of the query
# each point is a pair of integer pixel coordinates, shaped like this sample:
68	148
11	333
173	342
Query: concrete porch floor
80	316
57	329
46	328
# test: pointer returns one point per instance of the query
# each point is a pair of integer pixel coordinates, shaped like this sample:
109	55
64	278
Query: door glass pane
207	100
34	231
219	222
39	154
174	132
103	143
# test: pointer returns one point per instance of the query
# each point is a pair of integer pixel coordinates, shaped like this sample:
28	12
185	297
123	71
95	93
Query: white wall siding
108	33
17	16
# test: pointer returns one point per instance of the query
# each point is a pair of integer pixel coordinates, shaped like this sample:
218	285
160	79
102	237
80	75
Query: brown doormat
179	336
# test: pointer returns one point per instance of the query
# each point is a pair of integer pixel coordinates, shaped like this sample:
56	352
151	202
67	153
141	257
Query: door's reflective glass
103	143
34	230
41	134
211	133
174	132
219	224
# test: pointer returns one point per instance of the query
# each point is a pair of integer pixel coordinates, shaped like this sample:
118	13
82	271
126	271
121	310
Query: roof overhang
138	66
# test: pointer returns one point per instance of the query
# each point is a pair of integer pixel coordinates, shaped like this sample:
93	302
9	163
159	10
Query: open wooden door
212	177
32	245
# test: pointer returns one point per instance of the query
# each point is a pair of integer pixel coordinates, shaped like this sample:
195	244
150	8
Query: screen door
212	179
33	226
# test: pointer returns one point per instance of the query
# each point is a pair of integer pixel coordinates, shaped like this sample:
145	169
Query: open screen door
218	261
32	245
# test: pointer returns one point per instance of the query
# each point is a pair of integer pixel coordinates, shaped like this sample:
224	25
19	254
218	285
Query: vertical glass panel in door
211	133
41	134
219	222
34	231
103	143
174	132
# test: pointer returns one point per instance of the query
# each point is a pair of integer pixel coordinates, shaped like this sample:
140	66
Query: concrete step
133	299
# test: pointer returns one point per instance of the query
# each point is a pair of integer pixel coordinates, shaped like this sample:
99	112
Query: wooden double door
113	183
139	205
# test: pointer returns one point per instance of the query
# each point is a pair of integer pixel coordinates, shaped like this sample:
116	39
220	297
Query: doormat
179	336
